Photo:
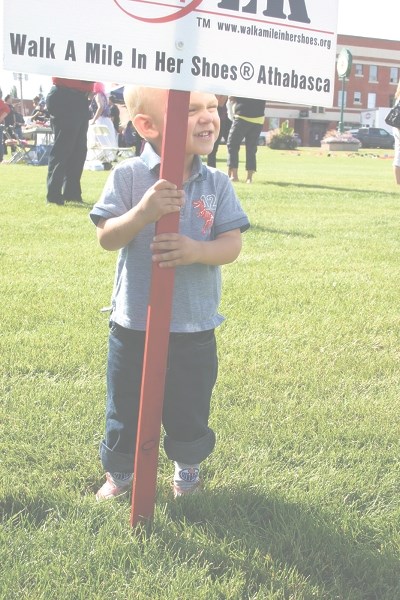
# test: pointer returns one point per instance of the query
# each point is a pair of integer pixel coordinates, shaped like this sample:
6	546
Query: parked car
297	138
373	137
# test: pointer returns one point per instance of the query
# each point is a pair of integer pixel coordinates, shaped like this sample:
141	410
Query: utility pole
343	66
20	77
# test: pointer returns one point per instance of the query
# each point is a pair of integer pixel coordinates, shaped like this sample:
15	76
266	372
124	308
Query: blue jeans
191	374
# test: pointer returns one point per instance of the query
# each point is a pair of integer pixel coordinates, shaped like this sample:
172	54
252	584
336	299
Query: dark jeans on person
190	378
69	112
223	133
248	131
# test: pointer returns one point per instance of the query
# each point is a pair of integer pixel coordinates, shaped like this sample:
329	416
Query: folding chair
100	146
22	149
39	155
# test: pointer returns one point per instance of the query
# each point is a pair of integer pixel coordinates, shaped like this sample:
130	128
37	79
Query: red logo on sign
144	10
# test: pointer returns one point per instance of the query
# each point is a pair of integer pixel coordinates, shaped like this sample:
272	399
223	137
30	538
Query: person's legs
58	107
76	160
69	118
236	135
58	159
124	375
1	143
252	136
212	157
396	161
191	376
74	168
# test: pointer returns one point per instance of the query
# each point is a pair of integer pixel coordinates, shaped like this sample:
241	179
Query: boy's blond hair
139	99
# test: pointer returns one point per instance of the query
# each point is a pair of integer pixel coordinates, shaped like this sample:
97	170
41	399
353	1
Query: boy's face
203	123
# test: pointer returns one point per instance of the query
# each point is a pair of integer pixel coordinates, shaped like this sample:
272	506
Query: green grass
302	493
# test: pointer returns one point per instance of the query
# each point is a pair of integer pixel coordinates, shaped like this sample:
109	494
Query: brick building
371	84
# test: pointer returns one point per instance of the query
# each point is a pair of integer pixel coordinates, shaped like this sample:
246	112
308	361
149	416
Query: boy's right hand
161	199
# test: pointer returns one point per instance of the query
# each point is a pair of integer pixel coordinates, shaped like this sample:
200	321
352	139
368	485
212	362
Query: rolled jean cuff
115	462
190	453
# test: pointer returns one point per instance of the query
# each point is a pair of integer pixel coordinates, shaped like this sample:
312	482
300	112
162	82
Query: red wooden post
158	322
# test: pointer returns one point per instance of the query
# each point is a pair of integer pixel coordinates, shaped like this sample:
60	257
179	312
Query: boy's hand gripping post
158	322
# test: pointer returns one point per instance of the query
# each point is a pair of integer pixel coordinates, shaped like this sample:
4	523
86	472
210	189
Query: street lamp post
341	123
343	66
19	77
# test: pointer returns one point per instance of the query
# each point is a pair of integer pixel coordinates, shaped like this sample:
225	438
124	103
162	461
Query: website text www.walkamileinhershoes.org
275	34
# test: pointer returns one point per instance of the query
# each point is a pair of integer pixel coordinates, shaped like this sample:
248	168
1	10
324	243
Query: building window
357	98
358	70
371	100
394	74
340	96
373	73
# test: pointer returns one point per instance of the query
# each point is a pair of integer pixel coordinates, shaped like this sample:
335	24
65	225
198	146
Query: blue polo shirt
211	208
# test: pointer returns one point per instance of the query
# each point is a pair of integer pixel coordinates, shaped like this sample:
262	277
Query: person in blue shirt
211	222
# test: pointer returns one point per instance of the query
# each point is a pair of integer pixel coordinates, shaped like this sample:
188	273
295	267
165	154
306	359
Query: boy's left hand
173	250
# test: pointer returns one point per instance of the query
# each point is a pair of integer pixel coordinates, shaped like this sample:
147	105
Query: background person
133	200
12	125
15	118
4	111
35	103
101	116
67	103
247	124
132	139
225	125
114	114
396	133
40	115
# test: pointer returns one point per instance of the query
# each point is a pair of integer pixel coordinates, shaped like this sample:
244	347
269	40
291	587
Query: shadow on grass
273	544
283	535
313	186
286	232
35	511
85	204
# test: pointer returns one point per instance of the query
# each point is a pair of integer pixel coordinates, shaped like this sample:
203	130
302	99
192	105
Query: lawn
302	492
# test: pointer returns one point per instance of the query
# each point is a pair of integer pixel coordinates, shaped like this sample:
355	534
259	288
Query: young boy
211	221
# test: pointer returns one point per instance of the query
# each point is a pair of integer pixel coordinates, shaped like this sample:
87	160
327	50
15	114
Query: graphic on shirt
205	210
189	474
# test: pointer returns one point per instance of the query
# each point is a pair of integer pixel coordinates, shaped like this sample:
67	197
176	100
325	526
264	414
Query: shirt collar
150	157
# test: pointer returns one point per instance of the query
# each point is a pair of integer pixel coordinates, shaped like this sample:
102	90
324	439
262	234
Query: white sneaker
110	490
195	489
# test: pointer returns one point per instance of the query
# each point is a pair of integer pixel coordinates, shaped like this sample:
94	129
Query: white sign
282	50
